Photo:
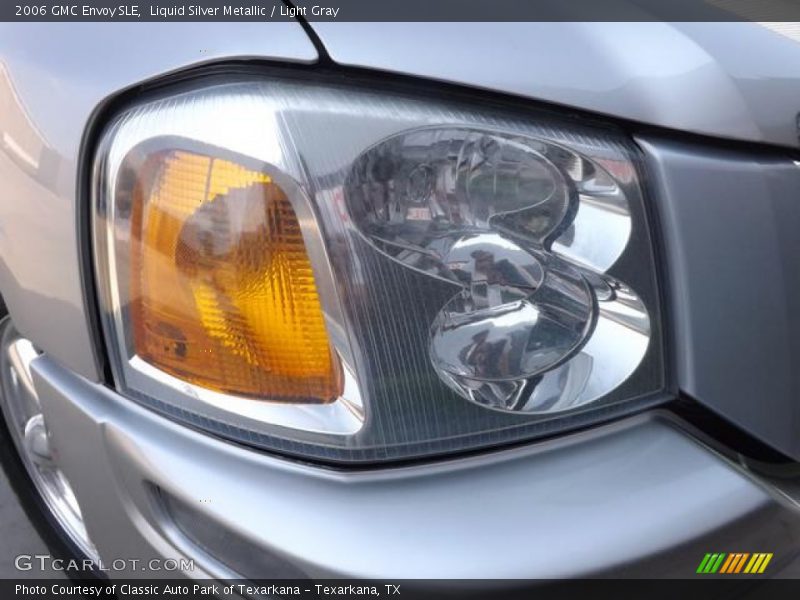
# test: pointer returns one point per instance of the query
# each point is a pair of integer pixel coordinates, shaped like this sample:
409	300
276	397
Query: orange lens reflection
223	295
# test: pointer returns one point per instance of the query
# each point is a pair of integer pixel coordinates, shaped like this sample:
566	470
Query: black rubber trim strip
722	435
322	52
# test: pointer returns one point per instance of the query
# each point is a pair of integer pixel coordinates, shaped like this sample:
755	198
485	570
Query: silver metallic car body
618	497
730	80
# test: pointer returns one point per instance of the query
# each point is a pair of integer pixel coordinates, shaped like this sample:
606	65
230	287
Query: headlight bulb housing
354	275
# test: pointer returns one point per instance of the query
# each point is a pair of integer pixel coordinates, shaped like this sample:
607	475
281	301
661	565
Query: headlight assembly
358	275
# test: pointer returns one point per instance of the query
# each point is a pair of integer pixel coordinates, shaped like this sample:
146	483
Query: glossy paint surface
732	80
637	495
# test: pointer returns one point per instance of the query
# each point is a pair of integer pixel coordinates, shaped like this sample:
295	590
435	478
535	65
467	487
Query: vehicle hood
738	80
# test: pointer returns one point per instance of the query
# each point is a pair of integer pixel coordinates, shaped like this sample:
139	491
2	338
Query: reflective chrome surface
503	216
438	251
614	350
501	334
23	415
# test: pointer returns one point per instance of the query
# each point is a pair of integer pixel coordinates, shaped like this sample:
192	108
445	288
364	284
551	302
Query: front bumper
639	497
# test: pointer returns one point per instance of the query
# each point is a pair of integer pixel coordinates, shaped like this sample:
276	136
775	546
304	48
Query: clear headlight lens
497	215
357	275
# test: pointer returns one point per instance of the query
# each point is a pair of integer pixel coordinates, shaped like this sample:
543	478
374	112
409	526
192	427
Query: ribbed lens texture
223	291
226	299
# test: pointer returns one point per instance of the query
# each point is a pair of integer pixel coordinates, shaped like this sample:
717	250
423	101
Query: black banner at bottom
711	588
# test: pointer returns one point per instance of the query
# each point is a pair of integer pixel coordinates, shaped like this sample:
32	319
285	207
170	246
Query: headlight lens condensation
354	275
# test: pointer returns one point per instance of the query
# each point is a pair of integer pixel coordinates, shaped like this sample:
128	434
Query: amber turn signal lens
223	294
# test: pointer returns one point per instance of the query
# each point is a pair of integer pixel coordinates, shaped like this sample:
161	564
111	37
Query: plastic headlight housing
357	275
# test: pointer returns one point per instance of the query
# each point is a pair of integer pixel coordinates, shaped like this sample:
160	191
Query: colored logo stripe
710	563
741	562
758	563
729	563
735	562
